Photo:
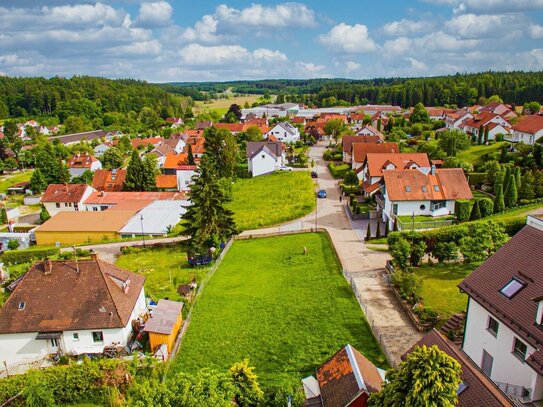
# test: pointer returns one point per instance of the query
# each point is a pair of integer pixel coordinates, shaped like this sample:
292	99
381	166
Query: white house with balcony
504	322
284	132
422	192
528	130
70	308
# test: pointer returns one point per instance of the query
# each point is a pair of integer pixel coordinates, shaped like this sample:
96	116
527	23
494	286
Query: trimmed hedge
462	209
338	171
486	206
28	256
530	201
477	178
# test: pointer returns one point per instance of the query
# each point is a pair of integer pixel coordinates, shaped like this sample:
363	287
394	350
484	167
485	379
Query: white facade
77	172
184	179
55	207
263	163
284	132
507	367
20	348
526	138
100	149
454	123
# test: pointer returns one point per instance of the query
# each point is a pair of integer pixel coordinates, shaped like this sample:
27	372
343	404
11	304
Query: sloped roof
414	185
135	142
482	119
372	130
231	127
66	299
87	221
81	161
479	390
86	135
166	181
348	141
109	180
376	161
157	217
178	162
64	192
275	147
518	258
361	150
346	374
529	124
112	198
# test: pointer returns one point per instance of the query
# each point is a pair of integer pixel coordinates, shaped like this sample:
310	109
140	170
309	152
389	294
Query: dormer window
424	188
22	305
436	188
407	188
512	287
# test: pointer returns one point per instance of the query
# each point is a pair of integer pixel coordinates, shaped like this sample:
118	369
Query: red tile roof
518	258
348	141
529	124
155	141
112	198
58	297
361	150
166	181
81	161
64	193
479	390
376	162
109	180
413	185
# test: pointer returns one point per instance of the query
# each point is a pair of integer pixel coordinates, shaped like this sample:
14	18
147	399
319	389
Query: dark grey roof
275	147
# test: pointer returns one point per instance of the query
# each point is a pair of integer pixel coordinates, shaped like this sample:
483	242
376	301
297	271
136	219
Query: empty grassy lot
7	181
221	105
272	199
285	311
473	153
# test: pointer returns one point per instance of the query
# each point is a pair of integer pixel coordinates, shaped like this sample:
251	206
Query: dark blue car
322	193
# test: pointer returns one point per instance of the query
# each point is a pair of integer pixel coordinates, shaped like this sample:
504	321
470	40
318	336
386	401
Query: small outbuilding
164	324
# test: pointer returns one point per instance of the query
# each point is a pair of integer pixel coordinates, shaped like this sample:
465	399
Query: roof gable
375	162
64	192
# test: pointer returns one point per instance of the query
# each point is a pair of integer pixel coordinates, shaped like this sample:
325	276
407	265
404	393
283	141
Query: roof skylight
512	287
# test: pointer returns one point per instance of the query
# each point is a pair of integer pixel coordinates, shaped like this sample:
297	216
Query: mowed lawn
221	106
439	289
7	181
272	199
285	311
158	265
474	153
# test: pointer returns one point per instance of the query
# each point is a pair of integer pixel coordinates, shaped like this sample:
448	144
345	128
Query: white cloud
484	25
416	65
155	14
351	66
282	15
399	45
196	54
497	6
406	27
204	30
535	31
348	39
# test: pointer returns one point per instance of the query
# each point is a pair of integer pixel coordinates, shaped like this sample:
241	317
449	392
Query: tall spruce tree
221	151
487	133
207	221
480	134
190	155
506	178
510	195
140	174
37	182
499	203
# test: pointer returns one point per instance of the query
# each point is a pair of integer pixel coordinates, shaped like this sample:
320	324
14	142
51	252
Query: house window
519	349
422	207
54	342
424	188
512	287
492	326
98	336
436	188
407	188
486	365
95	209
57	204
438	205
75	336
22	305
65	204
263	156
395	209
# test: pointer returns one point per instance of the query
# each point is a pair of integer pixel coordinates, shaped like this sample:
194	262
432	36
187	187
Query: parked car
285	168
322	193
314	174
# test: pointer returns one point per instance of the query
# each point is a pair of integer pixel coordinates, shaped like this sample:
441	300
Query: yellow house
164	324
70	228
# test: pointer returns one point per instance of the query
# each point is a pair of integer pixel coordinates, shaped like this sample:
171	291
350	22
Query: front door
54	345
486	366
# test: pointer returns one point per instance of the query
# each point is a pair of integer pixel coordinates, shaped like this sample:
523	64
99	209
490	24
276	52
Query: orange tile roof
360	150
81	161
413	185
480	119
166	181
231	127
146	141
112	198
348	141
106	180
376	162
194	132
178	162
64	193
529	124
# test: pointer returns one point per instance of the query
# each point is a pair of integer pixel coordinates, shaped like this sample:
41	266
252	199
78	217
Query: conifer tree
487	132
190	156
480	135
510	195
368	232
518	180
499	203
378	231
475	211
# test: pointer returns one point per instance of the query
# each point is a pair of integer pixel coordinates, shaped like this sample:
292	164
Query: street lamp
142	235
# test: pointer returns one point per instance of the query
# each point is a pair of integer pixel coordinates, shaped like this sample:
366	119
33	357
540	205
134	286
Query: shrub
462	210
486	206
13	244
409	285
475	211
417	252
477	178
499	137
445	251
28	256
426	315
401	253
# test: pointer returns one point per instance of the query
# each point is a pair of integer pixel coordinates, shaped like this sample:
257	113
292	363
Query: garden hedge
477	178
486	206
462	209
27	256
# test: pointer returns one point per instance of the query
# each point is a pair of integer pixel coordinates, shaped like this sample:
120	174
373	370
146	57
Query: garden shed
164	324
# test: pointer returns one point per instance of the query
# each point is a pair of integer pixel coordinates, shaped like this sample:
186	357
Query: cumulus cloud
257	15
196	54
494	5
535	31
344	38
406	27
155	14
483	25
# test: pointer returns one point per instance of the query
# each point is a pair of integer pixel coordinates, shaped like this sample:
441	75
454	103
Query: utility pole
142	234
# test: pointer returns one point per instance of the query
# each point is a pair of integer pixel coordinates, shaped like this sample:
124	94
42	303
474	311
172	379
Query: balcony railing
422	225
513	390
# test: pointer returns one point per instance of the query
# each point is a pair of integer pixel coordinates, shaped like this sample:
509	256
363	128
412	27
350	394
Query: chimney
48	267
433	169
93	255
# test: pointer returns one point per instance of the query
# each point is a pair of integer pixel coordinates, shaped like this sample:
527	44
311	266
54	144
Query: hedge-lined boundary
28	256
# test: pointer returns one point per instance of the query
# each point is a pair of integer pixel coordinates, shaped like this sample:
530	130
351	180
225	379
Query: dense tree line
460	89
85	97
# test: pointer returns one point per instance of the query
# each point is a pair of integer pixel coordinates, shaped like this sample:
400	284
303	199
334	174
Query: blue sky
166	40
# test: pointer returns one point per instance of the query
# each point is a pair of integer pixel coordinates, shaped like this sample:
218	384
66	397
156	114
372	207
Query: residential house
174	122
503	333
160	153
178	165
421	191
475	388
101	148
65	197
264	157
379	117
284	132
499	108
372	109
456	119
369	163
78	164
348	141
177	144
166	182
495	123
197	145
233	128
75	138
203	125
346	379
138	143
356	118
69	307
370	131
101	201
298	120
528	130
109	180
